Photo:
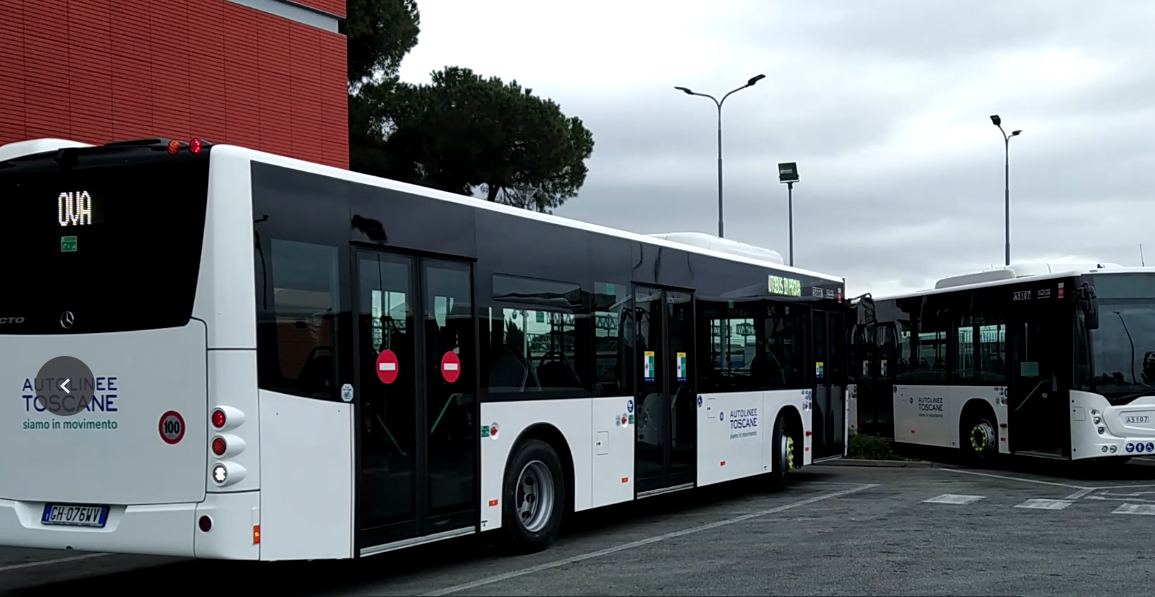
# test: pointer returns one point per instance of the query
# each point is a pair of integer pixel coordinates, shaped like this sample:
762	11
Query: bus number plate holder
74	515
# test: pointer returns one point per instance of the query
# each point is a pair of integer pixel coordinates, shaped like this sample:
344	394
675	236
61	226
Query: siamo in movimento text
101	393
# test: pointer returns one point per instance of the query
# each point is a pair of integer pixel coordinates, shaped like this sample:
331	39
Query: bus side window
297	311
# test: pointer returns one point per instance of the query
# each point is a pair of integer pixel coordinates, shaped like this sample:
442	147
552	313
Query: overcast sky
884	105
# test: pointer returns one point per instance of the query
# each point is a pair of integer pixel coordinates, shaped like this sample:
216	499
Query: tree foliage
462	132
379	34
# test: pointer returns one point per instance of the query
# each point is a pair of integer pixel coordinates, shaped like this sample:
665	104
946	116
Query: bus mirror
1090	304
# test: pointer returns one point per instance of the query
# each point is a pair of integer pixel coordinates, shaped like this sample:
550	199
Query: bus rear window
111	244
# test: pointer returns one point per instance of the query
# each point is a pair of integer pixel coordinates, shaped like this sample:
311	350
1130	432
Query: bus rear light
195	146
220	446
205	524
256	534
220	474
173	147
225	418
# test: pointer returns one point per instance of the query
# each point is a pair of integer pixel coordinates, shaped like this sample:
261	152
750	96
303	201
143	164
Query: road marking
1127	486
1021	479
1080	493
1146	509
1040	504
951	498
640	543
1118	499
88	556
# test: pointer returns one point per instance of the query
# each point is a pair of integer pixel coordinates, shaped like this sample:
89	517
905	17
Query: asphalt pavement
836	530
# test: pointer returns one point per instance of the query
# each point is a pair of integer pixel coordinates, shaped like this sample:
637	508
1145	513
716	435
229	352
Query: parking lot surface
836	530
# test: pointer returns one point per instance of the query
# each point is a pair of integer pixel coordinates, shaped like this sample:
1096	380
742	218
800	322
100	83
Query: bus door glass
416	397
666	423
1037	402
828	330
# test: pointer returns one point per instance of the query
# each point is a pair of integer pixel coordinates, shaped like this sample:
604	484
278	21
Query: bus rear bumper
149	529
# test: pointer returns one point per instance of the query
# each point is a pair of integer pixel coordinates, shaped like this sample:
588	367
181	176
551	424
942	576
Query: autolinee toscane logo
66	387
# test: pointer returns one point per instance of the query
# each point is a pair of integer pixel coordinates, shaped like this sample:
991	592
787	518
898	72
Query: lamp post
788	173
717	102
1007	170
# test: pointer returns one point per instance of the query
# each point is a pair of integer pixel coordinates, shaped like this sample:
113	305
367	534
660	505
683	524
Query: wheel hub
535	496
983	438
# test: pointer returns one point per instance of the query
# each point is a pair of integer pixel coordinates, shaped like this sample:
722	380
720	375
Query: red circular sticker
387	366
450	366
171	427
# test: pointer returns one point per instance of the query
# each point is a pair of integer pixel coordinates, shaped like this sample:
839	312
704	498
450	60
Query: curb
860	462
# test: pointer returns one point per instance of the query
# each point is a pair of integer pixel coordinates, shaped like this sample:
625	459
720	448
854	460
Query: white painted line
1127	486
1080	493
640	543
1145	509
952	498
1038	504
1020	479
88	556
1118	499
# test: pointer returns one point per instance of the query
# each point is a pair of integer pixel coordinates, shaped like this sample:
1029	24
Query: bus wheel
982	441
783	455
534	497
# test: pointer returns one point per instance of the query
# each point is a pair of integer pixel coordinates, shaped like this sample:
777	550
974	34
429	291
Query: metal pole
720	233
790	209
718	103
1007	196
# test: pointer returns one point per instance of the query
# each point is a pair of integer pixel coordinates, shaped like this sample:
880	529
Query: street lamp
1007	168
788	173
687	91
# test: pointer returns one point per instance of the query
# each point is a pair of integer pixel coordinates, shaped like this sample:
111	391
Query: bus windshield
100	240
1124	344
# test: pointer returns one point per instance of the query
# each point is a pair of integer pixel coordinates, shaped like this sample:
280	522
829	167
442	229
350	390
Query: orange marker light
173	147
492	503
256	534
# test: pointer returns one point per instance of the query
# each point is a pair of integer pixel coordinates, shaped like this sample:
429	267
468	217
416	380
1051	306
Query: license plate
77	516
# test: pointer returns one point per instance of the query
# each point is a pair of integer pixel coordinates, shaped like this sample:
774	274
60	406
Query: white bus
1042	360
229	354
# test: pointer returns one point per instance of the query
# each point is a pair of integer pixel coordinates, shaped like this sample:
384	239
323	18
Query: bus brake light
218	418
195	146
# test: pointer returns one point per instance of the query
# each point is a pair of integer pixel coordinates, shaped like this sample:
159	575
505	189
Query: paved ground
837	530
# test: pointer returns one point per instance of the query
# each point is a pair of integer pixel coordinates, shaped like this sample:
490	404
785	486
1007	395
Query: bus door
665	456
1037	398
828	410
415	400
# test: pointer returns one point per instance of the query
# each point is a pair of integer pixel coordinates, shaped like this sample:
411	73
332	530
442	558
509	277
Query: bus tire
782	451
533	499
979	433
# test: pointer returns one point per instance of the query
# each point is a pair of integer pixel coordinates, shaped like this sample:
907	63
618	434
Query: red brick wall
103	70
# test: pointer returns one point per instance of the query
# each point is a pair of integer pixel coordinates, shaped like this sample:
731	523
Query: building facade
265	74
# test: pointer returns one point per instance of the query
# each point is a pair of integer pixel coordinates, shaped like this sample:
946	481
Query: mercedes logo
67	319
